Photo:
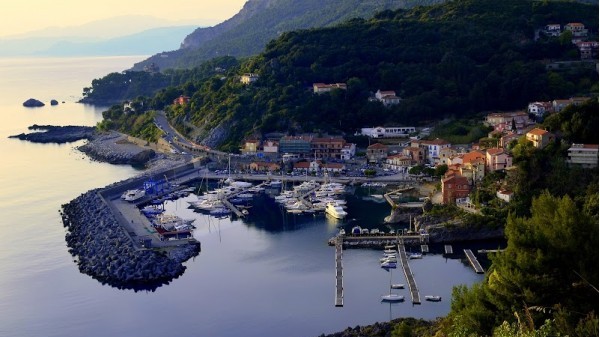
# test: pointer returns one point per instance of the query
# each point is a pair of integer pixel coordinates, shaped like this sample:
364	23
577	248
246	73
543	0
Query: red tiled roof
494	152
538	132
377	146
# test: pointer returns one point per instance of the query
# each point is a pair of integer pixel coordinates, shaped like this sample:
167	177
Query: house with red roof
377	153
497	159
454	187
540	138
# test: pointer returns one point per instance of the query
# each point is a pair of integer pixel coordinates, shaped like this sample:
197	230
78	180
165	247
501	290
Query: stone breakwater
111	148
103	250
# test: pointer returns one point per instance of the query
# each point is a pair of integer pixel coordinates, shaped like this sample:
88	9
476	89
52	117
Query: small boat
388	264
392	298
397	286
389	251
245	212
433	298
342	231
388	259
220	212
415	256
390	247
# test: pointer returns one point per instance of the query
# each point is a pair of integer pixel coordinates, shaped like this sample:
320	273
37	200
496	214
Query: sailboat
392	297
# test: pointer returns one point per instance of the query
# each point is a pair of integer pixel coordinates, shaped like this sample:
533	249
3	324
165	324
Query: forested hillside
260	21
455	59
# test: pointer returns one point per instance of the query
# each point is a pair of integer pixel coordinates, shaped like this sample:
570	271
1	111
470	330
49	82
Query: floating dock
473	260
339	274
448	249
410	279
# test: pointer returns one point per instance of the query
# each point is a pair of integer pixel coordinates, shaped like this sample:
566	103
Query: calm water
270	276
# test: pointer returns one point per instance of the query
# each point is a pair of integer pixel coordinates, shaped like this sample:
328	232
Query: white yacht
335	211
133	195
392	298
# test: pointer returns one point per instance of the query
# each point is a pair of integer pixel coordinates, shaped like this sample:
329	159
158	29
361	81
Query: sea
270	275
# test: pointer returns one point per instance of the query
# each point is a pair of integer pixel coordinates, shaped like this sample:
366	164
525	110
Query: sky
23	16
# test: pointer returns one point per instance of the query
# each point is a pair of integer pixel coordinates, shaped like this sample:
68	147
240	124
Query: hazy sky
21	16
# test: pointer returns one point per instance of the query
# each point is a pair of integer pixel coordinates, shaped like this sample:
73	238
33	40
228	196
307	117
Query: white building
388	132
348	151
585	155
249	78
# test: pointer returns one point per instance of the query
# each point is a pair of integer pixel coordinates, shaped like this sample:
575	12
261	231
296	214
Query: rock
56	134
32	103
53	102
142	157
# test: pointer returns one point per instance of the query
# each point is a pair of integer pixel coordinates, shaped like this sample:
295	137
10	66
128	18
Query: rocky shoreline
111	148
56	134
103	250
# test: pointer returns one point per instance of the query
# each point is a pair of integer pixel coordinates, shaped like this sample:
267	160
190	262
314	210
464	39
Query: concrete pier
473	260
339	274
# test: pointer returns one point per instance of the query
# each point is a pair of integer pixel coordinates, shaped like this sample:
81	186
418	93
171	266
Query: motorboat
397	286
221	211
388	264
206	205
356	230
133	195
433	298
170	223
392	298
415	256
389	251
388	259
335	211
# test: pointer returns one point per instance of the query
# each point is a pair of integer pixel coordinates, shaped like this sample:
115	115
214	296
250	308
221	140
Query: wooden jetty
473	260
410	279
448	249
339	275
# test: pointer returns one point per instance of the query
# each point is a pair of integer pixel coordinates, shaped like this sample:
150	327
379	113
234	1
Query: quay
339	274
379	241
473	260
410	279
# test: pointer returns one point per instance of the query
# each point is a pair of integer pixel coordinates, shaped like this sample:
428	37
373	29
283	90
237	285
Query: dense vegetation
260	21
450	60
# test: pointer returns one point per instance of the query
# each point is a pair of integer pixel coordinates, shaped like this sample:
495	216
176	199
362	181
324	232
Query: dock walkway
410	279
339	274
473	260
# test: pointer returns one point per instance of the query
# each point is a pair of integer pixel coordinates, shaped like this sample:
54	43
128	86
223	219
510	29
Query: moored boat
392	298
433	298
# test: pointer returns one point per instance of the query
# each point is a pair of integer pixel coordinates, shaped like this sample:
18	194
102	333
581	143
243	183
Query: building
327	147
578	31
454	187
249	78
319	88
251	146
377	153
332	167
445	153
387	97
540	138
496	159
588	50
398	162
507	138
520	117
504	194
552	29
539	108
181	100
585	155
473	170
305	166
296	145
417	154
348	151
388	132
261	166
270	148
433	148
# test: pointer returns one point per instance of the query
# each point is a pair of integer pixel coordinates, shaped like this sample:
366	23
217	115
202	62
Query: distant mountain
122	35
260	21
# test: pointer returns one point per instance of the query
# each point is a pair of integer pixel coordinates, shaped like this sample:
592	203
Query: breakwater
105	251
